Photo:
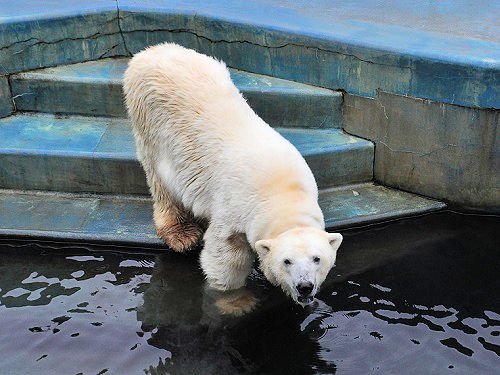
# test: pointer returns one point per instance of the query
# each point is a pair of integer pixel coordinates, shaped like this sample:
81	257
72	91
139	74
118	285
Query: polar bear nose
305	288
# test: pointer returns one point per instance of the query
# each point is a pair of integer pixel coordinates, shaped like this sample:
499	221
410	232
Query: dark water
418	296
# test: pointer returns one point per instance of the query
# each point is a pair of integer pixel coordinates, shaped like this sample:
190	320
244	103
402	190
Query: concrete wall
6	106
345	50
440	150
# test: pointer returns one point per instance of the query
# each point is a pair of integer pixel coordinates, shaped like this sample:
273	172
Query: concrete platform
125	219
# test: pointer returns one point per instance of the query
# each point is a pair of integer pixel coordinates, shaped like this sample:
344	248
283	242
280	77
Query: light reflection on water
419	296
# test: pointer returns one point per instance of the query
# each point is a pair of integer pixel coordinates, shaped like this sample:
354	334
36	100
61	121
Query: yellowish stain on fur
179	236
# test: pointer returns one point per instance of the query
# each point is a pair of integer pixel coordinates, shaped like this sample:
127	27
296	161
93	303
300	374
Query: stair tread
95	88
111	71
52	134
97	154
128	219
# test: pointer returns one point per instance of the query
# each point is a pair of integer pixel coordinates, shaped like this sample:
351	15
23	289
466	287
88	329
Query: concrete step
91	154
127	219
94	88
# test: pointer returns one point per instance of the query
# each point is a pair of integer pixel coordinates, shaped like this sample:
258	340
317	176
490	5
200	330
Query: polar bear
210	160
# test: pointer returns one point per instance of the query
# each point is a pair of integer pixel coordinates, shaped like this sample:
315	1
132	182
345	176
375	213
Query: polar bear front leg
174	225
226	258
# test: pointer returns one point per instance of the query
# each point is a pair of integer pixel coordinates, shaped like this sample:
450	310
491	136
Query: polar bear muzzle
299	260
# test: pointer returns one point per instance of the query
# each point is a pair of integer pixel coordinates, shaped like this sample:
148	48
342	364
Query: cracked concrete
128	26
21	95
457	78
435	149
417	153
266	45
31	45
6	103
119	20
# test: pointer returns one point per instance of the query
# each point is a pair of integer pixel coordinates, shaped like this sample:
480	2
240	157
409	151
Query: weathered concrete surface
6	106
337	60
356	46
346	206
95	88
447	52
128	219
443	151
91	154
91	218
57	34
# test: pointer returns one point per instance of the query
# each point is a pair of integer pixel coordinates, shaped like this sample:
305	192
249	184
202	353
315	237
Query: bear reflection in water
208	331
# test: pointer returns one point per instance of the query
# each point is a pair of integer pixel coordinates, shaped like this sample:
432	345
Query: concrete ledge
338	47
344	59
125	219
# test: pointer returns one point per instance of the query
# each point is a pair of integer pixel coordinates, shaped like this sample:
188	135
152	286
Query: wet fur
208	156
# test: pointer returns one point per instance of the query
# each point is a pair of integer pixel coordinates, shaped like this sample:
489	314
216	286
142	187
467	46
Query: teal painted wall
439	150
338	46
6	106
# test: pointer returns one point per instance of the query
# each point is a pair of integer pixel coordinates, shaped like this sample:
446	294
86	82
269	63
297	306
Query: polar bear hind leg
175	225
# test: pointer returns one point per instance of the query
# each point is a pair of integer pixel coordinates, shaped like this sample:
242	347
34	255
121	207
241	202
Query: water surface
416	296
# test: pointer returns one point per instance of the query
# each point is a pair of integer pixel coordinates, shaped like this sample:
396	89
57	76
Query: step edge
360	143
378	218
312	91
50	73
20	152
80	236
78	195
46	78
433	205
131	156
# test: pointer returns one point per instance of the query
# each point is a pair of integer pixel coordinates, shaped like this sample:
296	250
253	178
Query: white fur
299	247
206	150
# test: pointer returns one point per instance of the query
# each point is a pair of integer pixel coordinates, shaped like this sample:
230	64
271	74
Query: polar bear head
299	260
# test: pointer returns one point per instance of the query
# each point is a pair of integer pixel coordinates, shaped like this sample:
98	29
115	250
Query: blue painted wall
447	51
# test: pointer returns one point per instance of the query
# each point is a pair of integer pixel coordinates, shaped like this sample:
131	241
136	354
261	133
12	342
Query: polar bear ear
263	247
335	240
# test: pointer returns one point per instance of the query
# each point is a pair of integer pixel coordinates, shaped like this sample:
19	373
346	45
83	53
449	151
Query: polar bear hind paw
180	236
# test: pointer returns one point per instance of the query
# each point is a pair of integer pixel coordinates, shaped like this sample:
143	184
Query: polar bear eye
287	262
316	259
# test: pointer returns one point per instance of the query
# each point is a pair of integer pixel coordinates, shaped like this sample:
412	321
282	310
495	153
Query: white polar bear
209	159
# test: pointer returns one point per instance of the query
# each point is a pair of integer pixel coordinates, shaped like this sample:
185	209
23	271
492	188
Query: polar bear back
193	127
